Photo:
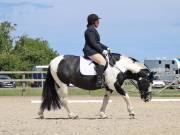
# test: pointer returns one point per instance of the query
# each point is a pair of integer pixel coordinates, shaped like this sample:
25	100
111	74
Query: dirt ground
19	117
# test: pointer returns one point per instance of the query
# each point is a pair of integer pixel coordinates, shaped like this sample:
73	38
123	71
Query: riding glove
105	52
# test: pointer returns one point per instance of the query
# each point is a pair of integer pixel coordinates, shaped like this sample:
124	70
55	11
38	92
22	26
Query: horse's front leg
126	99
104	104
129	106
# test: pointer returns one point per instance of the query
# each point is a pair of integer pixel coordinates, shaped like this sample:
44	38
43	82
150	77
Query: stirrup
101	85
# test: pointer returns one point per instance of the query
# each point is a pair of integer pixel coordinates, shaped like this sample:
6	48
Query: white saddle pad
87	67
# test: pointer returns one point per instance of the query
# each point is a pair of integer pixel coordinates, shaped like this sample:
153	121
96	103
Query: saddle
87	66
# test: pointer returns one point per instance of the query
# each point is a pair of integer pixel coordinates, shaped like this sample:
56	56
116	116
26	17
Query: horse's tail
50	98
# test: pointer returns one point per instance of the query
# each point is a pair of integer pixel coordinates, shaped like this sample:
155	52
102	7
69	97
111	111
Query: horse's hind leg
40	113
63	93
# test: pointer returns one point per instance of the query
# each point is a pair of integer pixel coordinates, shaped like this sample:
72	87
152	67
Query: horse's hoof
132	116
103	115
73	116
41	116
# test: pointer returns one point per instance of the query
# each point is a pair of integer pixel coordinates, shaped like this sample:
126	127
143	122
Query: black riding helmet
92	18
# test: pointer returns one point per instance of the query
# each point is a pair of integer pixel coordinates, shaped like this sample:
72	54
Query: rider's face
96	23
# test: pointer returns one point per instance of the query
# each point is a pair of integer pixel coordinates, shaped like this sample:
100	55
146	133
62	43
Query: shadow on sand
65	118
85	118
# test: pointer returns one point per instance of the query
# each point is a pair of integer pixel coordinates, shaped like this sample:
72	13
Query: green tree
26	53
33	52
9	62
6	39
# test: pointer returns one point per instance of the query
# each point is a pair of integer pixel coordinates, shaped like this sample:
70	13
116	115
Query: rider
93	48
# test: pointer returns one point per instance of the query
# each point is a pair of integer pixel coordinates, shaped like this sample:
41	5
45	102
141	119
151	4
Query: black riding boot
100	79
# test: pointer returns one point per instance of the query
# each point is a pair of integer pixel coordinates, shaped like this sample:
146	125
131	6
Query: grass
19	92
73	91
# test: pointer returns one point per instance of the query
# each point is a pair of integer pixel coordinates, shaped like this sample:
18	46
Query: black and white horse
69	69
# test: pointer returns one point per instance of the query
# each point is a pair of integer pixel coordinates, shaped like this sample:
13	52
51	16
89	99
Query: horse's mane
117	57
133	59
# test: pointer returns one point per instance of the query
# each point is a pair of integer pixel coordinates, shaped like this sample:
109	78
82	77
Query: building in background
166	69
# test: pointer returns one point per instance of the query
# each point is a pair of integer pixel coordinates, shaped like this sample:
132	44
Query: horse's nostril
147	100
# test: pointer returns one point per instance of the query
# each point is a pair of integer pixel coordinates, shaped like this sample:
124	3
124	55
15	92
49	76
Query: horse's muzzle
146	97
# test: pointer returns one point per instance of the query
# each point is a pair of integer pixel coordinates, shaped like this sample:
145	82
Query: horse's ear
151	76
154	73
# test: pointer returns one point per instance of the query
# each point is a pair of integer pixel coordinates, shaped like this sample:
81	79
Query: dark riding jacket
92	42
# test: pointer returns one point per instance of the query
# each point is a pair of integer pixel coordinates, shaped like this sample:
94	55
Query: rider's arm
91	38
103	46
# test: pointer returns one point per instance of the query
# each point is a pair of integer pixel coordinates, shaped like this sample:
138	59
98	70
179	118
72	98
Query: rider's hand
109	50
105	52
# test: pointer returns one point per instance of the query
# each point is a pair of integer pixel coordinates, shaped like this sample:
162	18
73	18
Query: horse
79	71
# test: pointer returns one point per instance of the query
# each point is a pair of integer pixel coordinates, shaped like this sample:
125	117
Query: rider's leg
99	59
100	71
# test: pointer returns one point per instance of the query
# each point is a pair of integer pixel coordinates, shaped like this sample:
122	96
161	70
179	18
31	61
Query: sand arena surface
19	117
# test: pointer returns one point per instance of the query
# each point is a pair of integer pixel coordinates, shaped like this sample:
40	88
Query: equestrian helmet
91	18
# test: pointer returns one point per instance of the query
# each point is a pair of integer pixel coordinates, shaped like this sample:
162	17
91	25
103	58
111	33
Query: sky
137	28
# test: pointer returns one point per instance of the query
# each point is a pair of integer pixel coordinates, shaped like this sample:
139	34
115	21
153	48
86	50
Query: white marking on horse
54	66
125	63
111	76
